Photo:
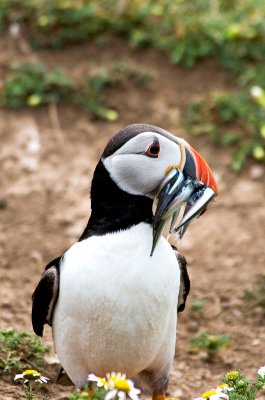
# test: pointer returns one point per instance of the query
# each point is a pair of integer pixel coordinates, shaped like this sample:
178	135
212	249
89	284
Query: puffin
112	299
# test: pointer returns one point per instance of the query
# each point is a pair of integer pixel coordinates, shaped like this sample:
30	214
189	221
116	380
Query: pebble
192	327
178	375
51	359
29	164
3	204
36	256
256	172
237	313
177	393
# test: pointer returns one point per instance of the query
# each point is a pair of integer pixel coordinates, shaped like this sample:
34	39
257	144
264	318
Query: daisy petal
18	376
121	395
92	378
134	395
111	394
261	372
43	379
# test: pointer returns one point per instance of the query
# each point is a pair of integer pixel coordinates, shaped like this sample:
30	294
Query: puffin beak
184	193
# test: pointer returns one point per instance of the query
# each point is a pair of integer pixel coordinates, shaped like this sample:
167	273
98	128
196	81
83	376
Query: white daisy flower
219	396
261	372
256	91
221	392
31	375
101	382
116	384
120	386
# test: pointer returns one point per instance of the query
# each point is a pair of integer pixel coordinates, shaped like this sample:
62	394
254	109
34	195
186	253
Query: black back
45	296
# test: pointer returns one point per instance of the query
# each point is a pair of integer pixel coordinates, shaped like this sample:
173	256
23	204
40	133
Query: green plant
91	96
256	295
19	350
236	387
211	343
31	84
235	119
198	305
231	31
32	382
88	394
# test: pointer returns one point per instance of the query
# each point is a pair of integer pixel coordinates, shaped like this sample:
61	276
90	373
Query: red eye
153	150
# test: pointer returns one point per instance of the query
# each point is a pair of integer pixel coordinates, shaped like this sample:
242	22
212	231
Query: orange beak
190	187
197	168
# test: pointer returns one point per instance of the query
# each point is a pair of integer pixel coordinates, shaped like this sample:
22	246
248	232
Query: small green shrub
197	307
31	84
19	349
87	394
235	120
255	296
236	386
241	387
91	96
211	343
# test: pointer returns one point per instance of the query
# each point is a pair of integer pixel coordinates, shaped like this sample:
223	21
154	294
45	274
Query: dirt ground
46	166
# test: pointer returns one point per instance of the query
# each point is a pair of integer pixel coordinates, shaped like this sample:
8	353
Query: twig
55	122
31	363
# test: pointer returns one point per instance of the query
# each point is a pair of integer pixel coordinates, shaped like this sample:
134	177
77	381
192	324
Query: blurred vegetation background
230	31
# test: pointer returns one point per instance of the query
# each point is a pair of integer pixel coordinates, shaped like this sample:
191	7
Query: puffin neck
112	208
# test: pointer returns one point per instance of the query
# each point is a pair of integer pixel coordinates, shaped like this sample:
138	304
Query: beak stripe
183	155
201	169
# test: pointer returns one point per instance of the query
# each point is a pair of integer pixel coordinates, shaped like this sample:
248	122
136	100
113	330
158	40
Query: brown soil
44	205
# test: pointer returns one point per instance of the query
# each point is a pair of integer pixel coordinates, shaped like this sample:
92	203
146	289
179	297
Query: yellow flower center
29	372
103	381
232	375
223	386
205	395
121	384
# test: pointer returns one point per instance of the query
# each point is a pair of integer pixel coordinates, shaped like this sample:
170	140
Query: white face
140	165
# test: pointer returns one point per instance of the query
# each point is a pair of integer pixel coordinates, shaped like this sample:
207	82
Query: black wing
184	287
45	296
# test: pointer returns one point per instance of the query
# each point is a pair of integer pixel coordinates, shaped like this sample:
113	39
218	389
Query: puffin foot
158	396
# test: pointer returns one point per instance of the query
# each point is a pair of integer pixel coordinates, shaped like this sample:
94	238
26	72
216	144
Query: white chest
117	305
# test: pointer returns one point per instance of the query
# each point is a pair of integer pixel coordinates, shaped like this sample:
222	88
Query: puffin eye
153	150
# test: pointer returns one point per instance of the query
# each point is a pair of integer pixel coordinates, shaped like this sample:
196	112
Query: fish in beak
184	194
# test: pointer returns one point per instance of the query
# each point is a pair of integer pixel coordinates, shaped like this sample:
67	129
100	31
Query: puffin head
148	161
